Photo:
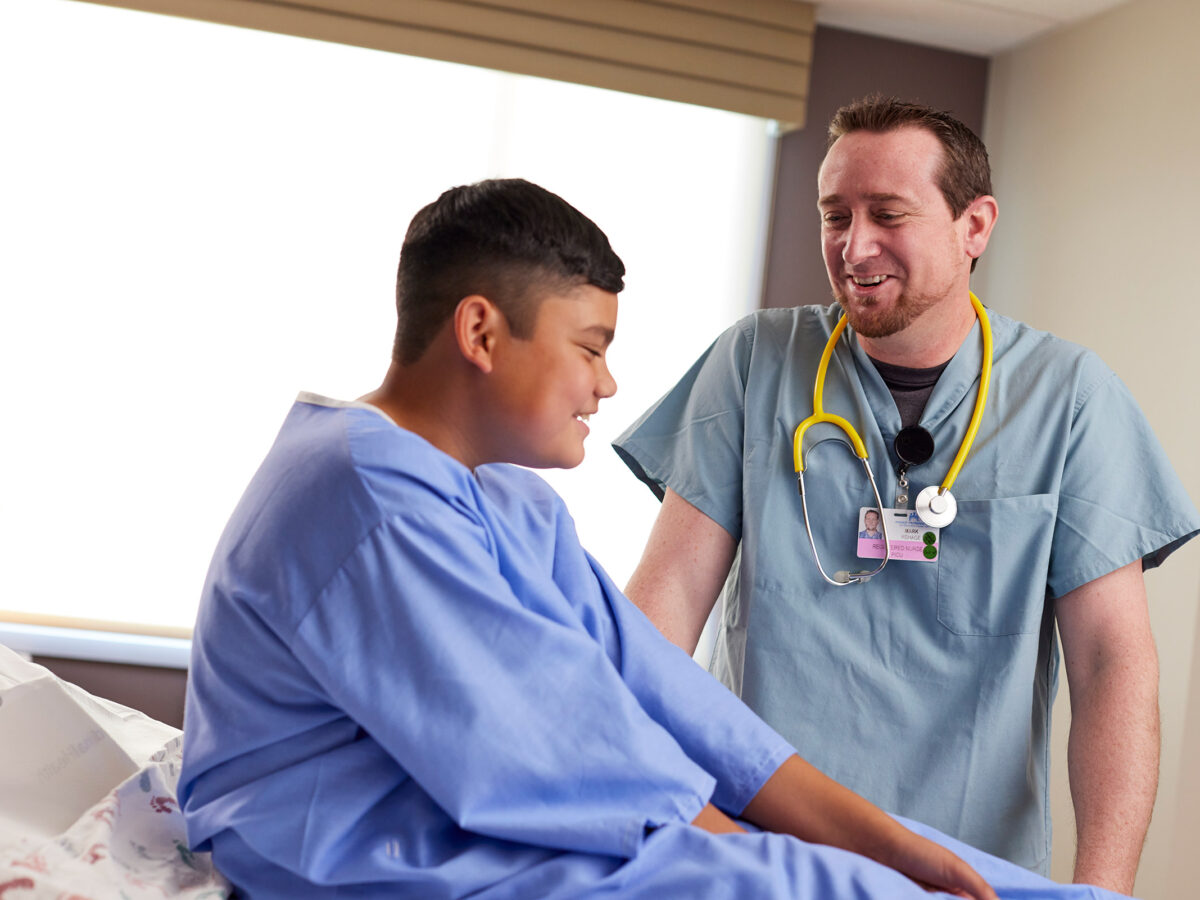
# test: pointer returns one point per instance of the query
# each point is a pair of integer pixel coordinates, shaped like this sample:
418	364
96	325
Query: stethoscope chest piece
936	506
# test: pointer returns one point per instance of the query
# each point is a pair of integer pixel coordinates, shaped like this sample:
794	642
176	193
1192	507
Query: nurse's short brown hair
965	173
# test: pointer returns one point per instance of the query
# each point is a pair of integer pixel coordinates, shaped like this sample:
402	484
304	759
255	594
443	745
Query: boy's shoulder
343	466
334	472
521	495
359	448
338	470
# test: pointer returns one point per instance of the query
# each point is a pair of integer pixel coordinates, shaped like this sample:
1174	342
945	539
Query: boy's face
548	384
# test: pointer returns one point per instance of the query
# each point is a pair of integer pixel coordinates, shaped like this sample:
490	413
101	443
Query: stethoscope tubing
860	450
985	381
848	577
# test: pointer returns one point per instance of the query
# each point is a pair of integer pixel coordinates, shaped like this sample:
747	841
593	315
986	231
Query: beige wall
1095	140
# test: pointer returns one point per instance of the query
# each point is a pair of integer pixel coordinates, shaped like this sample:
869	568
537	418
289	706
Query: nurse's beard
875	320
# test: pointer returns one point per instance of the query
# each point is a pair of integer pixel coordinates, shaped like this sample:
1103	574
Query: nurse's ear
978	220
478	327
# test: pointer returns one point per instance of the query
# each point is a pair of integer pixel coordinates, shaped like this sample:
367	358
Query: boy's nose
606	385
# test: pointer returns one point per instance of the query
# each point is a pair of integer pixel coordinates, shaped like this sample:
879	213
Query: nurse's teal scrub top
927	689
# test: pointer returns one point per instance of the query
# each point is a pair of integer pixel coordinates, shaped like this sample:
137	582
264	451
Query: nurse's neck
931	339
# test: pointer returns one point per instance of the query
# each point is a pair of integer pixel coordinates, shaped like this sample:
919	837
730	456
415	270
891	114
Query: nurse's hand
801	801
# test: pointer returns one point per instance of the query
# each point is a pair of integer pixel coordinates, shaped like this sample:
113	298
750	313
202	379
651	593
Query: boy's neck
421	399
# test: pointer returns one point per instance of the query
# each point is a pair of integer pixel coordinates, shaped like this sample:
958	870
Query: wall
847	65
1094	139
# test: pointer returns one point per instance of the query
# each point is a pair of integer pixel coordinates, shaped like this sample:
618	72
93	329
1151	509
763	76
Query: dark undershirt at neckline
910	388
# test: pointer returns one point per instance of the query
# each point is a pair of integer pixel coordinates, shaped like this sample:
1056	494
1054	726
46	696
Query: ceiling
981	27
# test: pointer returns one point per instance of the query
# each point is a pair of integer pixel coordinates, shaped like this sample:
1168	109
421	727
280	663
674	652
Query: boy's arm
420	640
759	774
800	800
714	821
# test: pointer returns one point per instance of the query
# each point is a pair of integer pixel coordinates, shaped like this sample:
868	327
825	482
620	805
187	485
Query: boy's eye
591	351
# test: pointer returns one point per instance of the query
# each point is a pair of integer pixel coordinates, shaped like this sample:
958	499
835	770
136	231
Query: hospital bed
88	807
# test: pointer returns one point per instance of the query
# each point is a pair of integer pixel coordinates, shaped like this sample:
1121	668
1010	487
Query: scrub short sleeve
1120	498
692	439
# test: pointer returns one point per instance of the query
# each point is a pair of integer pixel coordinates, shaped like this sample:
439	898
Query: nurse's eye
834	219
889	217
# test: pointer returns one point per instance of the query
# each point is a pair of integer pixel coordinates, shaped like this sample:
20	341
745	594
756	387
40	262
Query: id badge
911	539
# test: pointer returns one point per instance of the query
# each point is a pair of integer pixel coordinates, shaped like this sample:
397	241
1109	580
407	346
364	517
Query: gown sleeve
712	725
512	719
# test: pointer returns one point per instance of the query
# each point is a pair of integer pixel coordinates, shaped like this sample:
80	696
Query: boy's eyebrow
604	334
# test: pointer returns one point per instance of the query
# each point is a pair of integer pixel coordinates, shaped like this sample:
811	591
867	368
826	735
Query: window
199	221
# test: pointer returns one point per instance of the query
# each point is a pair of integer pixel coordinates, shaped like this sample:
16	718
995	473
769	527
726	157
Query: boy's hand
801	801
935	868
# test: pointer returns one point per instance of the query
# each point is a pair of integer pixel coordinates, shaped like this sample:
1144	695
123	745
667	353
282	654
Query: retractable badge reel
935	504
914	446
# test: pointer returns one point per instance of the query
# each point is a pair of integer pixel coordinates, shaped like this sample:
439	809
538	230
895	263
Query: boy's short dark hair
506	239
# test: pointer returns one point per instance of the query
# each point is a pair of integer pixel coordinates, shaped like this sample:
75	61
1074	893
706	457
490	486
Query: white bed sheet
88	809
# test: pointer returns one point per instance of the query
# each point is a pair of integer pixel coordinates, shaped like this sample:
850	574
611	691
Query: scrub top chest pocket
991	558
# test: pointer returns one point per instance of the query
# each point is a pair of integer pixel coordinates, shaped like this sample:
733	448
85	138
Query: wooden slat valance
748	56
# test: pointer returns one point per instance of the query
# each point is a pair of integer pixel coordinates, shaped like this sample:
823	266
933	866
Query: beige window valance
748	56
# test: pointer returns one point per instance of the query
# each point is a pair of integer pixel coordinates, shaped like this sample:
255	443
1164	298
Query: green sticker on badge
930	551
930	538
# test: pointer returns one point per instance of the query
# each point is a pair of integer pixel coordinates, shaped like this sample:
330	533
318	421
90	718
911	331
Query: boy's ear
478	324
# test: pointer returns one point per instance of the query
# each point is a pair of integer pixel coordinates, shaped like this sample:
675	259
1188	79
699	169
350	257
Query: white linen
87	796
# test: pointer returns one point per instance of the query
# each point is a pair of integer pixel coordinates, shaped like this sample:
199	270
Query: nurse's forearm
800	800
1112	753
1113	760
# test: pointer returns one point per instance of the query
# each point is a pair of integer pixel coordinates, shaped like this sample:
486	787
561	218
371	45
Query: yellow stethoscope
935	505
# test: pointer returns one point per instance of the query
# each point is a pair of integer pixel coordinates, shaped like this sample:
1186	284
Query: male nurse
927	688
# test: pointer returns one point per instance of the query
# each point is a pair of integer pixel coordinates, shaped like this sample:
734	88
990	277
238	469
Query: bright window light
199	221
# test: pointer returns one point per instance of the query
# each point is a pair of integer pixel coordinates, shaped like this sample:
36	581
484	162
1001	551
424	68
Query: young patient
409	680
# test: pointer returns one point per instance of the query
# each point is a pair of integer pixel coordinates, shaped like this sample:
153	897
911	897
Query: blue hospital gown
927	689
409	680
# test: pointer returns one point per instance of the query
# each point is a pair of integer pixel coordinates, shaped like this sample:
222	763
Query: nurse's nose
861	241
